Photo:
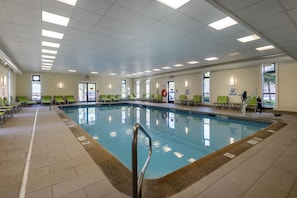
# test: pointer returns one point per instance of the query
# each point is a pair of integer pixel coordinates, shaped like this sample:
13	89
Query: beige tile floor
60	167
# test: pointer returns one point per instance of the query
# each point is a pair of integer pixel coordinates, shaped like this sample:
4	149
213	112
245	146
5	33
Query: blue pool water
178	137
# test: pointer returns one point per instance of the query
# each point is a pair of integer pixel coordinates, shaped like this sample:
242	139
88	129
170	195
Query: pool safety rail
137	181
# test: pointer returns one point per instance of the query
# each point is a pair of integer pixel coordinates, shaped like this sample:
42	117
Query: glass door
86	92
171	91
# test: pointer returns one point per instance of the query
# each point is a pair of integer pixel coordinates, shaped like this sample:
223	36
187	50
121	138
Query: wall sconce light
4	80
232	80
109	86
157	85
186	83
60	85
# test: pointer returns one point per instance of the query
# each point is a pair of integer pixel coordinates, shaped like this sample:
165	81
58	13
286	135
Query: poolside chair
46	100
159	98
252	103
196	100
222	101
104	98
152	98
24	100
143	97
17	106
59	100
132	97
70	99
181	99
113	98
9	110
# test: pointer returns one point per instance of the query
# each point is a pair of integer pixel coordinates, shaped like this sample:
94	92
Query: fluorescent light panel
156	69
211	58
52	34
166	67
72	70
69	2
268	47
49	51
175	4
223	23
178	65
47	64
47	61
192	62
50	44
48	56
54	18
248	38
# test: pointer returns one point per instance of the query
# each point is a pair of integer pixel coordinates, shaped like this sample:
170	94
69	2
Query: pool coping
120	176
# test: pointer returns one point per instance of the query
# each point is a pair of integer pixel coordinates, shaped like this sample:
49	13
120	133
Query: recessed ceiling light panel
268	47
52	34
50	44
54	18
192	62
248	38
69	2
223	23
175	4
49	51
211	58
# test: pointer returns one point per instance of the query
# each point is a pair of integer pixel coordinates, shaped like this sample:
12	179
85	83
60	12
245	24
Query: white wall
246	78
50	84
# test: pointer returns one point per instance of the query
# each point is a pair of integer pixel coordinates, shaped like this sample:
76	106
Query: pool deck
60	166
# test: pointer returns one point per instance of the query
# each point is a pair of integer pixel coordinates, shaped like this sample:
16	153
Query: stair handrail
137	181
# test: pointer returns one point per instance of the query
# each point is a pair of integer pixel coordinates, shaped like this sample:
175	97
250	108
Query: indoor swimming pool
178	137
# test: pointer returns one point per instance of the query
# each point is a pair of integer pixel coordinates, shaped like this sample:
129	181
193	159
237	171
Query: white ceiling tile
100	7
135	5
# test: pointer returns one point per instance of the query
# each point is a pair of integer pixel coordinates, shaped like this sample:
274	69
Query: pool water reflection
178	137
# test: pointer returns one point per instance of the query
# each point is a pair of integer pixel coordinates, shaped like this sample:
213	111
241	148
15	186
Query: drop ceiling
131	38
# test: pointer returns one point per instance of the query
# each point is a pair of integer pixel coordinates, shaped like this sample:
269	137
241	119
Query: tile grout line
27	165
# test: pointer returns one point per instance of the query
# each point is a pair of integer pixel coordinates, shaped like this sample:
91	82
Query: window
147	88
206	87
124	88
138	89
268	84
36	87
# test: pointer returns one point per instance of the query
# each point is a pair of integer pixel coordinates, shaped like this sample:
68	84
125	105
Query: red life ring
164	92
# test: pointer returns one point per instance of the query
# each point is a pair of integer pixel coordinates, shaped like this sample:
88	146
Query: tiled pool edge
168	185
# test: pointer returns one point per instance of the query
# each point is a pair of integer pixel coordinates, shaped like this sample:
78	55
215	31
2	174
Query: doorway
86	92
171	91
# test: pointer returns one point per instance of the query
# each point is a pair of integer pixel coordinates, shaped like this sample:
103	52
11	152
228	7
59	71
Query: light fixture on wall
109	86
186	84
157	85
60	85
232	80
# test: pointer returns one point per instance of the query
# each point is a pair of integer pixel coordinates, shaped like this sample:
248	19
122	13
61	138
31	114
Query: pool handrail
137	181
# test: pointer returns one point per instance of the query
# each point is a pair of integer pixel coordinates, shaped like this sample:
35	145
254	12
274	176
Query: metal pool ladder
137	182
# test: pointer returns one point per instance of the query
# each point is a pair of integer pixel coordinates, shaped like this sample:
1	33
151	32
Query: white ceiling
132	36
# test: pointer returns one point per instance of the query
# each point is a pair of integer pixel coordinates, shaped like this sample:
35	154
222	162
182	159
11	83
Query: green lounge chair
70	99
9	110
252	103
46	100
59	100
131	97
17	106
104	98
152	98
24	100
222	101
181	99
159	98
113	98
196	100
